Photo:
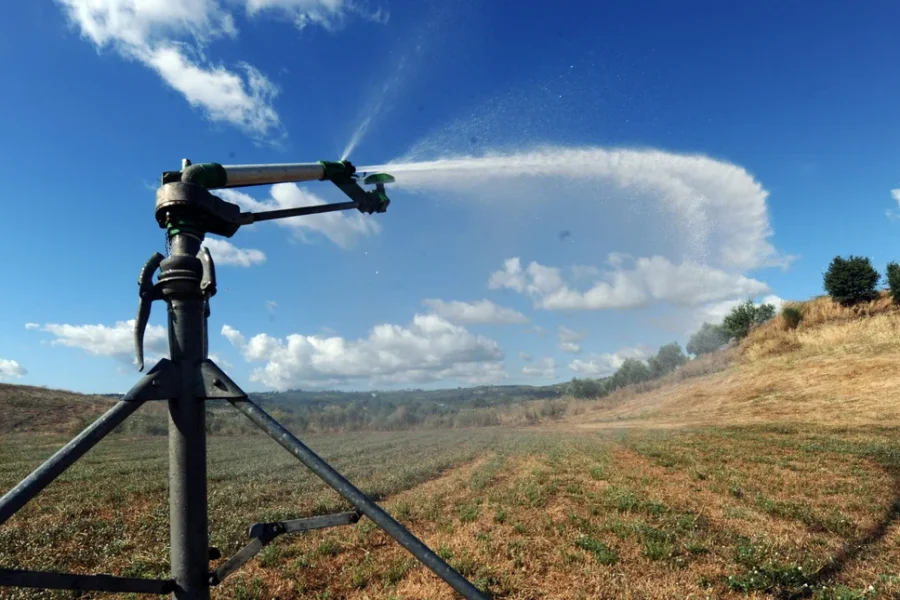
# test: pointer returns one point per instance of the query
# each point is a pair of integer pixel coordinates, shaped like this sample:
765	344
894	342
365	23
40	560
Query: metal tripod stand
188	211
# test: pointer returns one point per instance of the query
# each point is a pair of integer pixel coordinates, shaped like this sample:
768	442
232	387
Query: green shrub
708	338
852	280
585	388
631	371
893	279
667	359
792	316
744	316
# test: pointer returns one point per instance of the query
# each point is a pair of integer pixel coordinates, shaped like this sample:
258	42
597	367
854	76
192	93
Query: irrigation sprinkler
188	211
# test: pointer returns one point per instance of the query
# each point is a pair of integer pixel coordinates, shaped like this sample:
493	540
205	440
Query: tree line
709	338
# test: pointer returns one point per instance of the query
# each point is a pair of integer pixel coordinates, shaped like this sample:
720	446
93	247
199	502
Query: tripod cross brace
187	210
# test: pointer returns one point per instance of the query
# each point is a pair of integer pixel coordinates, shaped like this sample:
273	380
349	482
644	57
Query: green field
765	512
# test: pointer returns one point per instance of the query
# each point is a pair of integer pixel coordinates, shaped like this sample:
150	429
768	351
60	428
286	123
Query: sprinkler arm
189	188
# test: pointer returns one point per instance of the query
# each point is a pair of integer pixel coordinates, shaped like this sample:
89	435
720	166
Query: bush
708	338
585	388
893	279
743	317
667	359
631	371
852	280
792	316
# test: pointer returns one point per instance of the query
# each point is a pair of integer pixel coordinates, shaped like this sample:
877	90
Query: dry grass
841	366
777	512
34	408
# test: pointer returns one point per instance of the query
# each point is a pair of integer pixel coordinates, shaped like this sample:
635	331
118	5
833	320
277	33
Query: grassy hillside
841	366
31	408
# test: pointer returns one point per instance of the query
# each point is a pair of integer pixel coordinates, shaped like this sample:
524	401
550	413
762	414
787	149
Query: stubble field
781	511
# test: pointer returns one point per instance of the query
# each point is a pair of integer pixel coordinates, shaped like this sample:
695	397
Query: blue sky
599	180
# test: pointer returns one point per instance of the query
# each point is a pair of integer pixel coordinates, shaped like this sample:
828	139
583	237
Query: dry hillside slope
841	366
33	408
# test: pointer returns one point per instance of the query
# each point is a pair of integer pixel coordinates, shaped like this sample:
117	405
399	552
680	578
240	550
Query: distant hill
34	408
473	397
39	409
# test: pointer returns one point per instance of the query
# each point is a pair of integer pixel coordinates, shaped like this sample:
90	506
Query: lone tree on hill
744	316
631	371
667	359
852	280
708	338
893	280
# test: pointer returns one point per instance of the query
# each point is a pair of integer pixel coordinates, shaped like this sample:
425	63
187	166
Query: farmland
751	512
771	470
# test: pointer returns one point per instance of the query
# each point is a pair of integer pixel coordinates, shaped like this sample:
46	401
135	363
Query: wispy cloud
226	253
544	368
171	38
103	340
328	14
569	338
648	279
480	312
604	364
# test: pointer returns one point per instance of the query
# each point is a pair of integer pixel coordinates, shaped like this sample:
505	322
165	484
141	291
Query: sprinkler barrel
216	176
184	203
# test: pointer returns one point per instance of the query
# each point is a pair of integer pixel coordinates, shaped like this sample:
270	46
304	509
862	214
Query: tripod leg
364	504
17	497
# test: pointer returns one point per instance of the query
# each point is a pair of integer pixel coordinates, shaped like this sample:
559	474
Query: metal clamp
264	533
148	292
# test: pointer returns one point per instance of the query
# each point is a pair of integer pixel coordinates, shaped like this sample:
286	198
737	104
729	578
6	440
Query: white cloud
483	311
217	358
226	253
11	369
526	357
428	349
775	301
31	326
244	101
116	341
510	276
233	335
542	369
648	279
342	228
569	338
271	305
895	194
164	35
329	14
604	364
715	312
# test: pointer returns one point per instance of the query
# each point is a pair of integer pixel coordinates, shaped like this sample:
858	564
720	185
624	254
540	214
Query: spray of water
415	51
706	198
374	111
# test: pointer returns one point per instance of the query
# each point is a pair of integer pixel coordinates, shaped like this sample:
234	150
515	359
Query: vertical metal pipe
188	526
41	477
